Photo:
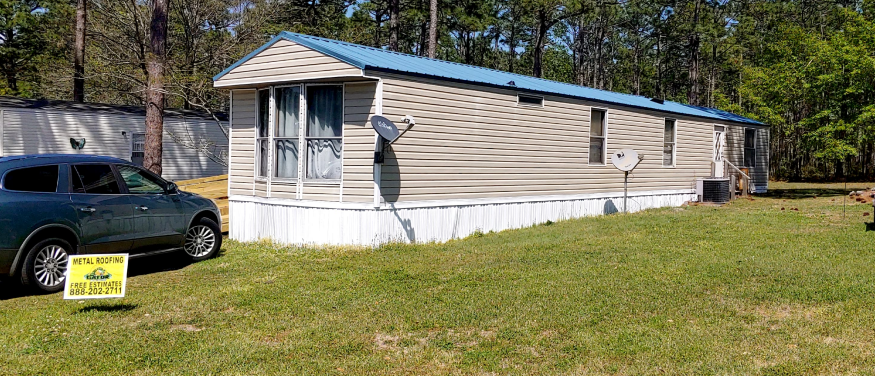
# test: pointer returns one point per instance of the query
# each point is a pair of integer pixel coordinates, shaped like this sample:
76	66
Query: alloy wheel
50	265
199	241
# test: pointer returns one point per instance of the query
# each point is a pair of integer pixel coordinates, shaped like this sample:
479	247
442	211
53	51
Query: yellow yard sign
97	276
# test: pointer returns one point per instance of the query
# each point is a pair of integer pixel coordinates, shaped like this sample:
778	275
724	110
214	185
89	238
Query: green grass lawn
779	285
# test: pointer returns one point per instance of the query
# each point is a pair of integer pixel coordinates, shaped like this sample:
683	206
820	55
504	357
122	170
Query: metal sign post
626	160
626	192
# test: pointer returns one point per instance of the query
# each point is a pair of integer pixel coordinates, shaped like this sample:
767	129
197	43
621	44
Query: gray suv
53	206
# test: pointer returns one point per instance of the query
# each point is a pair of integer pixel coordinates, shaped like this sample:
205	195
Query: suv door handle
141	208
88	210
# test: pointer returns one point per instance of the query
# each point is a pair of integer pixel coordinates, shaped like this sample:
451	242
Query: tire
203	240
46	265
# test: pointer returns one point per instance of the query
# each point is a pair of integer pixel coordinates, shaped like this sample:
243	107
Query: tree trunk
693	94
432	28
540	40
155	90
79	52
394	9
511	44
637	65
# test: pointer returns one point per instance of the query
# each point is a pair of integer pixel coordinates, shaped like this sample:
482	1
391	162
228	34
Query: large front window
324	131
305	138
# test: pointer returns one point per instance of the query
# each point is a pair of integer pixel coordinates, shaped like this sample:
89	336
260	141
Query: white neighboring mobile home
490	150
46	127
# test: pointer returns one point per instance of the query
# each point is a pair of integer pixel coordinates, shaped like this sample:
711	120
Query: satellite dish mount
626	160
389	133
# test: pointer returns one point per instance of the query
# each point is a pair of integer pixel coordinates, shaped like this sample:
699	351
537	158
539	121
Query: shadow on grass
162	263
108	308
870	226
801	193
157	264
9	289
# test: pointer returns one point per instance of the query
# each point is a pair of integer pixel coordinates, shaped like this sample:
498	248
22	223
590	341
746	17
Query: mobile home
195	143
489	150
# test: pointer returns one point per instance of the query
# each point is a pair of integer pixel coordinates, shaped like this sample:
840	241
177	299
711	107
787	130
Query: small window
140	182
750	151
42	179
94	179
138	148
530	100
262	142
597	137
668	147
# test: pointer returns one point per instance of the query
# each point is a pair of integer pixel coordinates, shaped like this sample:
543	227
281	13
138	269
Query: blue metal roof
365	57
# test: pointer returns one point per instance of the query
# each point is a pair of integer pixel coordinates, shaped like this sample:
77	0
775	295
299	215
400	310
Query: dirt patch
386	342
786	312
186	328
863	197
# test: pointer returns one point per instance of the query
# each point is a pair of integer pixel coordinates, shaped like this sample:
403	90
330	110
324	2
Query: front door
105	214
719	146
159	217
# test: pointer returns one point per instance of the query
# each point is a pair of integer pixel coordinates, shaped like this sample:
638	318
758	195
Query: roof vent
511	83
657	100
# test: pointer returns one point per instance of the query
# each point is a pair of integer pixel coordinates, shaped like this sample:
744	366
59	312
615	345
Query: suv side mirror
172	188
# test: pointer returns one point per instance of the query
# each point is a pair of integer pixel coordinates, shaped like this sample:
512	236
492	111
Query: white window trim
674	150
258	139
743	147
604	137
302	138
522	104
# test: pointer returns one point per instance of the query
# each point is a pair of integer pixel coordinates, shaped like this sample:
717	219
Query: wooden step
211	187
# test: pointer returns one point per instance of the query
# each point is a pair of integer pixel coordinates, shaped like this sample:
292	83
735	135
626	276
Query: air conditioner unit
715	190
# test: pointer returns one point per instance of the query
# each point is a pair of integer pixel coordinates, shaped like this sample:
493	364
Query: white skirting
309	222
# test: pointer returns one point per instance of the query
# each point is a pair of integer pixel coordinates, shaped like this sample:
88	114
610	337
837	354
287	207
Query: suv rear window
94	179
33	179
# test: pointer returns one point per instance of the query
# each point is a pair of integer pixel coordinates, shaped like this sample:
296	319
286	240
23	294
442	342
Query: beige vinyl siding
241	173
286	61
735	151
321	192
37	131
284	190
358	142
476	142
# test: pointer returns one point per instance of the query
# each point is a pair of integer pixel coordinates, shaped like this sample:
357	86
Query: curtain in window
263	153
324	111
287	111
323	159
263	112
286	134
287	158
324	132
263	131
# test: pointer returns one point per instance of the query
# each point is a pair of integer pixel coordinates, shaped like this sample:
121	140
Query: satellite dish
625	159
385	128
